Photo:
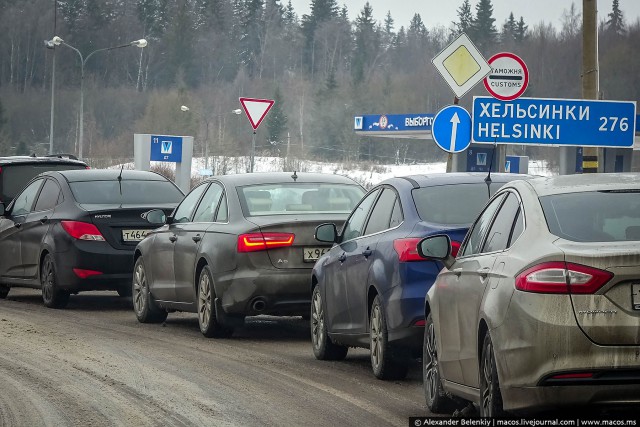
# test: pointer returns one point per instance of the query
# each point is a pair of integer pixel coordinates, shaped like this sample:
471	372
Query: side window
184	211
208	205
223	213
48	197
24	201
354	226
518	227
474	239
396	215
499	233
381	214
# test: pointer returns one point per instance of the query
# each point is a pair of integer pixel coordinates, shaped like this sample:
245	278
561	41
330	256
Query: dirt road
94	364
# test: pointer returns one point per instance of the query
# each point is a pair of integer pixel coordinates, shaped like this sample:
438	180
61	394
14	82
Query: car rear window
298	198
594	216
453	203
14	177
134	192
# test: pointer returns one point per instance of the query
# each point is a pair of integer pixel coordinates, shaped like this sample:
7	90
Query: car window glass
223	215
381	213
474	239
518	228
183	213
208	205
499	232
16	176
48	197
355	224
396	215
24	201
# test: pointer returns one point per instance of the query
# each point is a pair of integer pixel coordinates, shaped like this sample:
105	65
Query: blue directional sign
166	148
536	121
393	122
452	129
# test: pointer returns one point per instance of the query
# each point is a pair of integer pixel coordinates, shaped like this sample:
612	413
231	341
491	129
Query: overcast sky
443	12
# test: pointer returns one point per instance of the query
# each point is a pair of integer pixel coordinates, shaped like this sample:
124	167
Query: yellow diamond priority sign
461	65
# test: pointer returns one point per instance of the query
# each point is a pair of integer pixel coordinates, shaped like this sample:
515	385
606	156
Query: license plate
134	235
312	254
635	296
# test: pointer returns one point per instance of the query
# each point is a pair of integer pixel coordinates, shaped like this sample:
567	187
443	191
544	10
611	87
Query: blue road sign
536	121
452	129
393	122
166	148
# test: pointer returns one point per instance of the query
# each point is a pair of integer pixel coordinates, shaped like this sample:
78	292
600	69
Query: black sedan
73	231
239	245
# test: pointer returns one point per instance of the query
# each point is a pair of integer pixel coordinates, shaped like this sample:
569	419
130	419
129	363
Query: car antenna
120	179
487	180
294	176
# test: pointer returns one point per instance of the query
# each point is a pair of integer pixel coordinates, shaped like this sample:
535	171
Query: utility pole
590	74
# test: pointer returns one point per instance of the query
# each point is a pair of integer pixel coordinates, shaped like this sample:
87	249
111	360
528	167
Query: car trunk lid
610	316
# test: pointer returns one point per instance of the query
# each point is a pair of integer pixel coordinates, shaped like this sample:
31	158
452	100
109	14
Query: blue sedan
369	289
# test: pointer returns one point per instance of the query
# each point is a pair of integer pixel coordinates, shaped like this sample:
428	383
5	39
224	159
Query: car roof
585	182
434	179
256	178
22	160
108	175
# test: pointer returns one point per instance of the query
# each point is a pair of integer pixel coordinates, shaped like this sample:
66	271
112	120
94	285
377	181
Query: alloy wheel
487	378
430	359
47	280
317	321
376	336
140	289
204	299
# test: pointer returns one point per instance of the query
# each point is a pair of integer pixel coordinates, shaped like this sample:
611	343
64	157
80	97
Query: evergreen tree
615	23
153	16
521	31
509	29
366	43
465	18
484	29
387	31
290	16
251	29
277	119
321	11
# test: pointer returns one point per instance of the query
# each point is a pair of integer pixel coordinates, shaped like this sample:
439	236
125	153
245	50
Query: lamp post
185	109
57	41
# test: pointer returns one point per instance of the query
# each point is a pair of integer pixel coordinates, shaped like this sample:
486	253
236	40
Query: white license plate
134	235
312	254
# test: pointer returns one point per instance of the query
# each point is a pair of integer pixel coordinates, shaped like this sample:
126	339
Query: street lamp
185	109
57	41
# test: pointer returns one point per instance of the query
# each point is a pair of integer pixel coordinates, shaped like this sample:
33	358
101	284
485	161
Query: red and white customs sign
509	76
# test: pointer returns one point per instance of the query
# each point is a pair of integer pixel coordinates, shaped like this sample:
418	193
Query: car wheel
490	396
323	347
143	304
209	325
437	400
4	291
387	362
52	296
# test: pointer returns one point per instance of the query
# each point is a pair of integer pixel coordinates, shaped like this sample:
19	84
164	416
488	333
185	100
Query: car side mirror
437	247
326	233
155	217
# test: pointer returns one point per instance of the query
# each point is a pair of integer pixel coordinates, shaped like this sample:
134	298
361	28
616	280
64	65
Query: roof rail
62	156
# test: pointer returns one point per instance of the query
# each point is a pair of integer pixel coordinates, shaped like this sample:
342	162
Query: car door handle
457	271
173	238
44	220
18	224
342	258
196	238
484	272
367	253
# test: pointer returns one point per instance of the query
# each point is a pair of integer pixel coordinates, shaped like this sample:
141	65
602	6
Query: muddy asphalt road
94	364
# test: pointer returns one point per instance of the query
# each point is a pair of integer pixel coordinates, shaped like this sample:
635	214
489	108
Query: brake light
407	249
421	322
87	167
455	248
562	278
82	230
253	242
573	376
83	274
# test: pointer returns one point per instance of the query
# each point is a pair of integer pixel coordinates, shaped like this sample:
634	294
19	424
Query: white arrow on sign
455	120
256	109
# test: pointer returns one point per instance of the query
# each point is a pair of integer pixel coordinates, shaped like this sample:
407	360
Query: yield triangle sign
256	109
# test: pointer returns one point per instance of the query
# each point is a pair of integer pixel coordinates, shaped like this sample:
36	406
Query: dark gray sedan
239	245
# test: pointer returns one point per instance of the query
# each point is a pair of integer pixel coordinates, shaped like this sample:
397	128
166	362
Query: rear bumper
281	292
116	266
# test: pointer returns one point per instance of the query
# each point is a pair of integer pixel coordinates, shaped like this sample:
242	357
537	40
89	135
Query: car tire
490	396
323	347
388	362
4	291
437	400
125	291
209	324
52	295
147	311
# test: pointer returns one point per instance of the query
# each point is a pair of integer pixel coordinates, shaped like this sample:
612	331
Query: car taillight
253	242
82	230
87	167
407	249
455	248
561	277
83	274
